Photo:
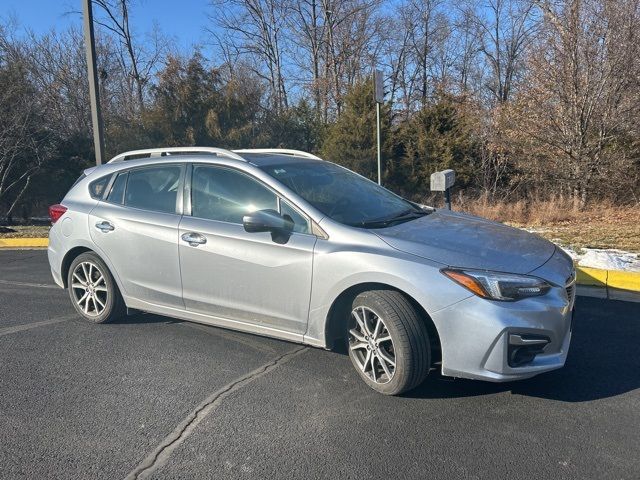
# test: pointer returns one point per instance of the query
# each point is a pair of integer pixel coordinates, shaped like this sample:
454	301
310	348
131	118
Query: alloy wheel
371	345
89	288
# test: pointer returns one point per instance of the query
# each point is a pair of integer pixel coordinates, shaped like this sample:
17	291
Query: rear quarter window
97	187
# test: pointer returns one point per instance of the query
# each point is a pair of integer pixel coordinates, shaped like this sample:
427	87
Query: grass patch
604	234
24	231
599	226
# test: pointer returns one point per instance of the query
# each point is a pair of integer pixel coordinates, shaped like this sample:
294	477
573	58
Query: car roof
266	159
257	157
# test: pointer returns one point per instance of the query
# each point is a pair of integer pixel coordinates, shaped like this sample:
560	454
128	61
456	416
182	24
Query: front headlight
498	286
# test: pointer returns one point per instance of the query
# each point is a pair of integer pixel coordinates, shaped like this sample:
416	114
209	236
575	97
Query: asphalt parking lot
152	397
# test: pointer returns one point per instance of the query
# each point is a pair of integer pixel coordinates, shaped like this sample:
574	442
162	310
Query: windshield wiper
403	216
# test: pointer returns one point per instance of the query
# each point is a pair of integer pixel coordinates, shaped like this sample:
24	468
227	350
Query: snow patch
605	259
610	260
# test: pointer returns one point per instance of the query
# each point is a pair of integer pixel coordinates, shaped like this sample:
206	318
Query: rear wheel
93	291
388	342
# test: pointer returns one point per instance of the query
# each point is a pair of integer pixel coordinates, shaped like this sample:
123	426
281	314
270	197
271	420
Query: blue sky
181	20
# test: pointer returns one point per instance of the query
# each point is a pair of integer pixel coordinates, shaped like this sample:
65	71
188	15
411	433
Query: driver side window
226	195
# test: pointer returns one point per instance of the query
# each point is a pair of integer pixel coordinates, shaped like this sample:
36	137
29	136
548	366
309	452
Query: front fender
335	271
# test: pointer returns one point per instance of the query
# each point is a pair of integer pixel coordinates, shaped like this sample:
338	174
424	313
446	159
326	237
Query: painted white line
160	455
26	284
29	326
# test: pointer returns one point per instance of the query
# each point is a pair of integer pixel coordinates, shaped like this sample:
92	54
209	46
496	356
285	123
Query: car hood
461	240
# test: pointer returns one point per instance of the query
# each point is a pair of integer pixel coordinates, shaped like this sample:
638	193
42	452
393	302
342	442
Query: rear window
97	187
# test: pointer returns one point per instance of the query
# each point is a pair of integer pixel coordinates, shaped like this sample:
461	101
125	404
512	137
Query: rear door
248	277
136	227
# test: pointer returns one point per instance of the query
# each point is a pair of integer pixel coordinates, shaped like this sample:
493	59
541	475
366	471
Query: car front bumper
478	336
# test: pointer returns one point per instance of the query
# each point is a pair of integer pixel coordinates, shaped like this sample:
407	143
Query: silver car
281	243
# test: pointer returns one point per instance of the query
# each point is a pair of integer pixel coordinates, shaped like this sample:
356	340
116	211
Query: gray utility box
442	181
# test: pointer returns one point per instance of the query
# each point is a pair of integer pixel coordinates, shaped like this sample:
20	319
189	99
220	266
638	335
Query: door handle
105	226
194	239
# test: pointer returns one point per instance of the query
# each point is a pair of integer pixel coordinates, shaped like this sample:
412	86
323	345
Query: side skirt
135	304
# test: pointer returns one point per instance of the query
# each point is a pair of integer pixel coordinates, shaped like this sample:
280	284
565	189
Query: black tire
99	293
409	342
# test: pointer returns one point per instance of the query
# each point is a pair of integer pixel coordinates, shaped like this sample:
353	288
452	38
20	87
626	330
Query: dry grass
24	231
599	226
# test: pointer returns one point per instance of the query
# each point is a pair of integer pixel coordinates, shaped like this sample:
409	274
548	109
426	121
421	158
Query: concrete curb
614	279
611	284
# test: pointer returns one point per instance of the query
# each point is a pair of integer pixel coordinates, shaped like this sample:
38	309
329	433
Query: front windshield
343	195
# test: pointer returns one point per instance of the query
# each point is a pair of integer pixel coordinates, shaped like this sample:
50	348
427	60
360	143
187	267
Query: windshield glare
339	193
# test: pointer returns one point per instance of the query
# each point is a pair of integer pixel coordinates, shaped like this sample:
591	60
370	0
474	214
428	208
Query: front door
227	272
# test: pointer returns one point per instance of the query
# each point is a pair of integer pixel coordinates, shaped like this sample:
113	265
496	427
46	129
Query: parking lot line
29	326
160	455
27	284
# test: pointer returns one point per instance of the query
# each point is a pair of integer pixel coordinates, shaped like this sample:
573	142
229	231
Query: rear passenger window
97	187
153	188
116	195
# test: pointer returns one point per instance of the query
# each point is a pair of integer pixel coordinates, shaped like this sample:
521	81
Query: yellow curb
615	279
23	242
593	277
624	280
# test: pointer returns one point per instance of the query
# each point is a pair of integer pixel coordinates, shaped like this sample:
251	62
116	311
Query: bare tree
579	113
308	29
255	28
23	140
466	37
507	27
351	44
138	59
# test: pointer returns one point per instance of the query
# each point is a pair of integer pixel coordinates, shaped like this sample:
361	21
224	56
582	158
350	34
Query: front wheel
388	341
93	291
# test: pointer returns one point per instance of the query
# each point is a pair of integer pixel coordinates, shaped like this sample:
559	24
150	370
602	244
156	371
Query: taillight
56	211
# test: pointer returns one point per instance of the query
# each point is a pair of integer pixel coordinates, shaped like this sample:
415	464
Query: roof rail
161	152
282	151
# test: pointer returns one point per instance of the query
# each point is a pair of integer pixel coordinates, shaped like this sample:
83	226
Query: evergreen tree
299	127
438	137
351	140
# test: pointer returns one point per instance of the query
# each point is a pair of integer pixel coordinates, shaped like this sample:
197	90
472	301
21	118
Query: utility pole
378	92
378	83
94	91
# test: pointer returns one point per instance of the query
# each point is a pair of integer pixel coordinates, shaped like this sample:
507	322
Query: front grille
570	286
570	290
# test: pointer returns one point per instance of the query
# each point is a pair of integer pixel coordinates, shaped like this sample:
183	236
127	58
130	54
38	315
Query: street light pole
378	138
92	71
378	94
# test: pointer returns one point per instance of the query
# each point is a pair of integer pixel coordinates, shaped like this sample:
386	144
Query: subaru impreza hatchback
281	243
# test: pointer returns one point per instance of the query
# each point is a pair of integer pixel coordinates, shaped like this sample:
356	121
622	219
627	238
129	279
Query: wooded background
526	99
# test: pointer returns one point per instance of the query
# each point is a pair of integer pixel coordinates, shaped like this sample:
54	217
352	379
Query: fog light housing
523	348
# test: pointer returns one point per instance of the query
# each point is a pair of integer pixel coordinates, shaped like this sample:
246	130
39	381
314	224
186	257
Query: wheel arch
73	253
334	325
68	259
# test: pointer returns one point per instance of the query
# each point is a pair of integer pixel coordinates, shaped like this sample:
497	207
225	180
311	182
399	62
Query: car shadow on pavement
603	361
142	317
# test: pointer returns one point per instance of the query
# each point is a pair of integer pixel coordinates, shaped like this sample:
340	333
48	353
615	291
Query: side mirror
266	221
